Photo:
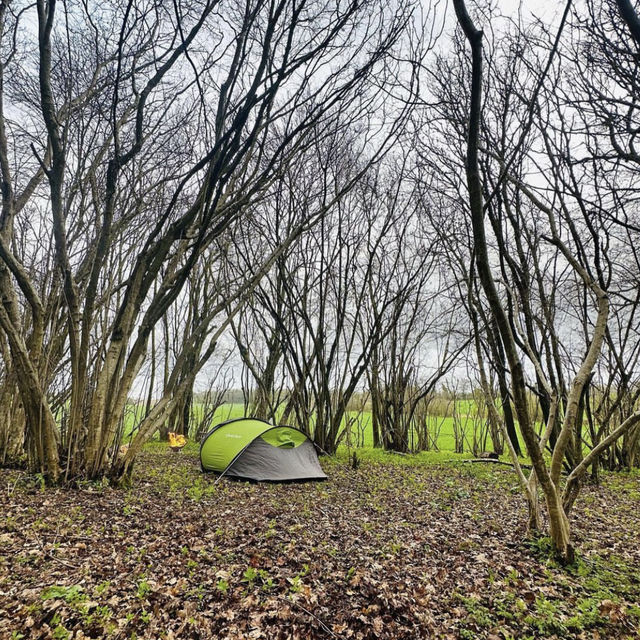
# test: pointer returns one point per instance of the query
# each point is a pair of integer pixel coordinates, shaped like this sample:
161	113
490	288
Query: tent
253	449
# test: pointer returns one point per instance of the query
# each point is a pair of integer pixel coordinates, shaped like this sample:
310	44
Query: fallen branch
494	461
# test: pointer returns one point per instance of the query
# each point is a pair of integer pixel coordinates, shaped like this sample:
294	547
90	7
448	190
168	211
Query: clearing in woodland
401	547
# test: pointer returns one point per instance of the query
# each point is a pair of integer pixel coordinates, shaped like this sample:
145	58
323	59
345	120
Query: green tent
252	449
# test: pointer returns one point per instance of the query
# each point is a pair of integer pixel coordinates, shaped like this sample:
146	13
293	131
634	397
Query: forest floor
390	550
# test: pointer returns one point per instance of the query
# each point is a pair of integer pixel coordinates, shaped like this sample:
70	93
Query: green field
442	427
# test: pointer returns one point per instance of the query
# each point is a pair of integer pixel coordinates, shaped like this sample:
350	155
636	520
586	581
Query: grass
361	433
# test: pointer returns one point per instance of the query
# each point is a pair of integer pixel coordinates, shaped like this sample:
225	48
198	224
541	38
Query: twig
494	461
313	615
10	489
48	554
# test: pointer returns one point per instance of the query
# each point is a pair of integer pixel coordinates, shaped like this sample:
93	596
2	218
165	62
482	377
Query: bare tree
154	140
576	235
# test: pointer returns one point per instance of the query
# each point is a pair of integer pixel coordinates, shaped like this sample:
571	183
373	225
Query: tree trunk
558	522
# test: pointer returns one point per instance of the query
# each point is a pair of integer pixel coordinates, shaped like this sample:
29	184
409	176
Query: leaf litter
387	551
